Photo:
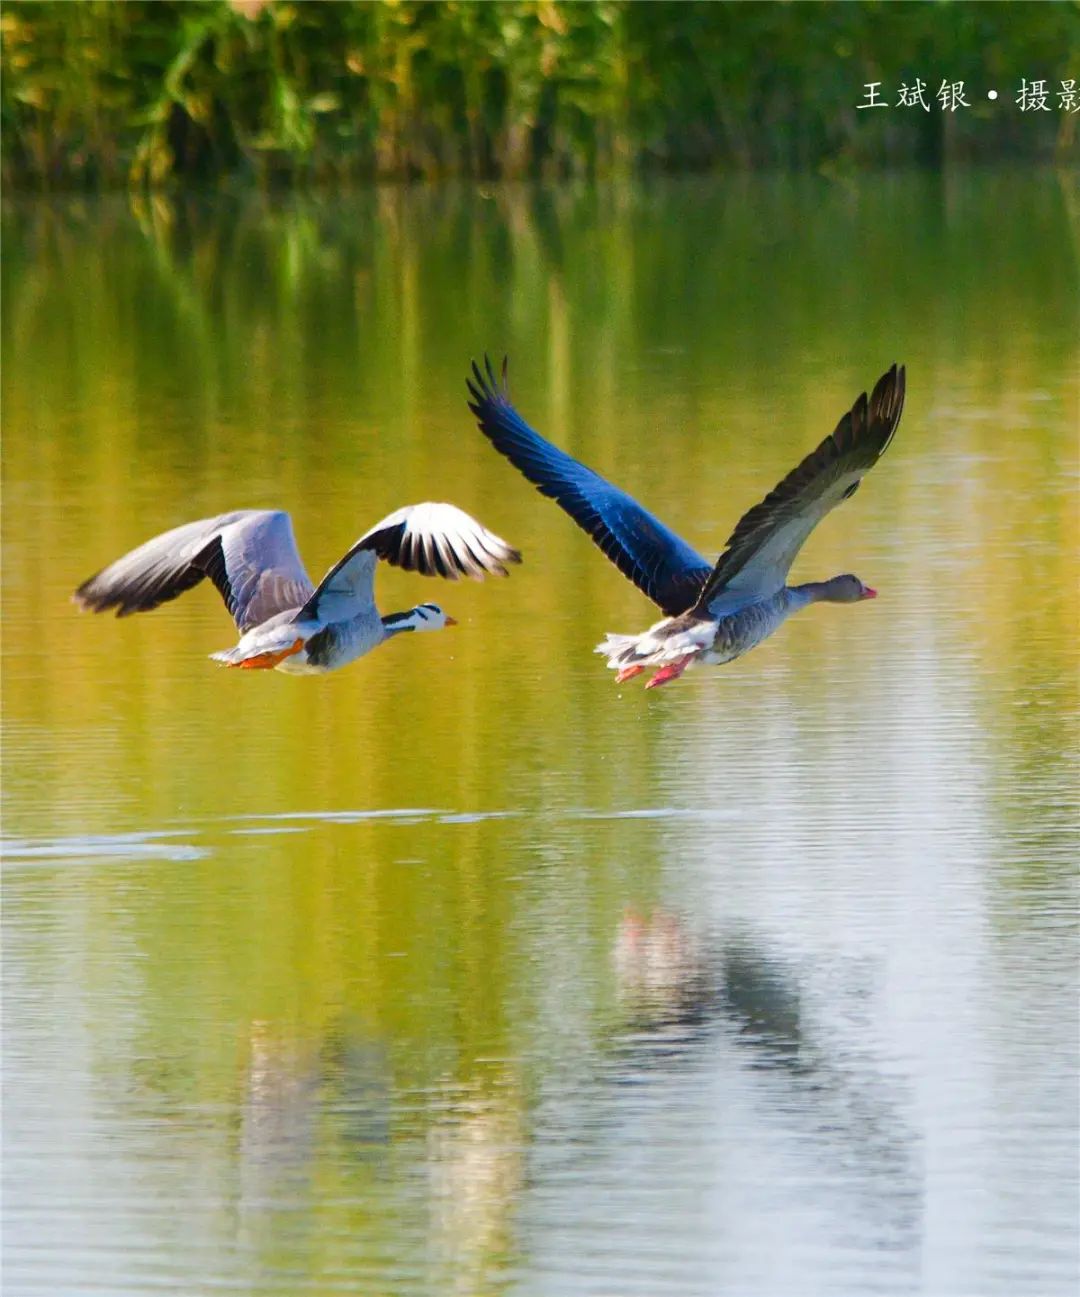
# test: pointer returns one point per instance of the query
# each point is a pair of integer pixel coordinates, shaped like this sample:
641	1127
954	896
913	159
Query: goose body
712	642
714	612
287	623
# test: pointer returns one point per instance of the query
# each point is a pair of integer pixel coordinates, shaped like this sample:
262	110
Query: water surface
465	970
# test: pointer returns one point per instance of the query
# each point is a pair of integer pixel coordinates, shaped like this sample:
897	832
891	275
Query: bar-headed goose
285	621
714	613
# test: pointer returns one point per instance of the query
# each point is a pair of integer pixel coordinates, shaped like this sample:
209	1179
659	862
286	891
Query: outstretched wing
250	555
659	562
764	544
432	539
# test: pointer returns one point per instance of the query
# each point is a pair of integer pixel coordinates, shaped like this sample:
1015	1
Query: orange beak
869	593
451	621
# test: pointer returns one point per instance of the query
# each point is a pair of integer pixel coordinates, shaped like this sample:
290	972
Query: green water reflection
337	985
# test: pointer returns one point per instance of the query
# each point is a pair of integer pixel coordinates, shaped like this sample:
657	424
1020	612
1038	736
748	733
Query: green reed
154	91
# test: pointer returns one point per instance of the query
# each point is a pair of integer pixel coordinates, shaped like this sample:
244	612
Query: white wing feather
433	539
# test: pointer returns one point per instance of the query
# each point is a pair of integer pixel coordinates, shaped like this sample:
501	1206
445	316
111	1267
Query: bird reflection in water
476	1162
664	982
691	1005
309	1102
674	984
299	1093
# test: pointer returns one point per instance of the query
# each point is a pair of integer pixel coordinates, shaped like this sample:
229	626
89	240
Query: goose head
425	616
846	589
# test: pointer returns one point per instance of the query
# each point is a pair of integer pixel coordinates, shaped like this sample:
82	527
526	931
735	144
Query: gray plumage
714	640
714	614
249	554
763	546
285	621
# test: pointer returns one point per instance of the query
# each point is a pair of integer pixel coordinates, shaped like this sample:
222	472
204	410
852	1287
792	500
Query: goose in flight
286	622
713	612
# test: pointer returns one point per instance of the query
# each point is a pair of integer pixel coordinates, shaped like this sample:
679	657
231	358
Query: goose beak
869	593
451	621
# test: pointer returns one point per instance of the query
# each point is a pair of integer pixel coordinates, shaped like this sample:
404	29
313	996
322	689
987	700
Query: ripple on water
96	849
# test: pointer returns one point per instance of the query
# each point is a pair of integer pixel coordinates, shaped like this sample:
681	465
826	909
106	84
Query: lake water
465	970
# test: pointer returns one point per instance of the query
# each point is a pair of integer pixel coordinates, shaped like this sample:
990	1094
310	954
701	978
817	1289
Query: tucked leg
267	661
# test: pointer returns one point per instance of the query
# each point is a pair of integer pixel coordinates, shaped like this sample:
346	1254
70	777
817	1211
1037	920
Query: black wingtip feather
87	599
134	596
488	388
82	598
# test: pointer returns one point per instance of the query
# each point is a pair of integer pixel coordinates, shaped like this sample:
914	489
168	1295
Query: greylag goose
285	622
713	612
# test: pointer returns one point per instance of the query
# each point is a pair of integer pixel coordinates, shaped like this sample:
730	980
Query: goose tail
622	650
229	657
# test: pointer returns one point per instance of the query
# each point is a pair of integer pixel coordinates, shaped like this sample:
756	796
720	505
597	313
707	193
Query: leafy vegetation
154	91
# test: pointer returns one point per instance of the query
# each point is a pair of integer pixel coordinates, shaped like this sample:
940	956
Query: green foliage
98	92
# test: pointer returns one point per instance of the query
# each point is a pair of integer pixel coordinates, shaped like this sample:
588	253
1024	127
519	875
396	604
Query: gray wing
250	555
432	539
764	544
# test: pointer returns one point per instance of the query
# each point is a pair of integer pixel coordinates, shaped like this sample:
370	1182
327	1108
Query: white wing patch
439	540
430	538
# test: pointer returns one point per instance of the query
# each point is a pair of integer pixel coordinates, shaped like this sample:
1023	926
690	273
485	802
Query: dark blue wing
658	562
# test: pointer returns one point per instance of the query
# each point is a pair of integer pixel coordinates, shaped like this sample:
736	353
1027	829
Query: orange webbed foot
670	672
